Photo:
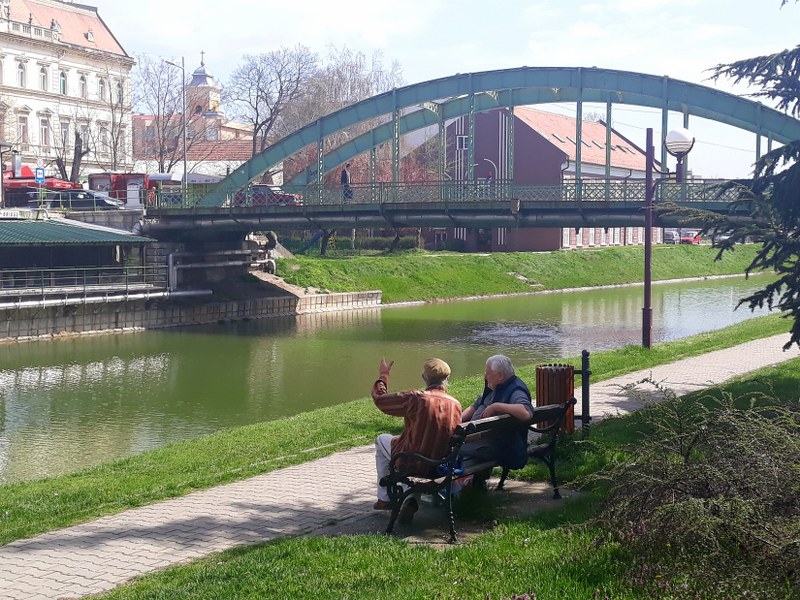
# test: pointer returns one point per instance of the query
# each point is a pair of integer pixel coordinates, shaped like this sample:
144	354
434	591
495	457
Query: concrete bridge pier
201	265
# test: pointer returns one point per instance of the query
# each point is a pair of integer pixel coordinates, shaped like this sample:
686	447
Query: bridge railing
456	192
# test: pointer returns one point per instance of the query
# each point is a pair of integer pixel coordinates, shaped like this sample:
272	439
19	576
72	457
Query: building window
565	237
591	240
82	86
629	235
43	78
120	92
149	133
1	71
22	131
101	88
44	132
462	142
502	235
578	238
105	146
21	75
62	83
84	136
64	133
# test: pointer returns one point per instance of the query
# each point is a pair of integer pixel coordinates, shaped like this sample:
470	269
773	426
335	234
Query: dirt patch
430	525
279	283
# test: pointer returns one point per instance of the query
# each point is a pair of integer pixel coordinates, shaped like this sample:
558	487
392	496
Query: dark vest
513	450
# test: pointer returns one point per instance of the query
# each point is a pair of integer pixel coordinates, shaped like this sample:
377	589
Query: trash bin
555	384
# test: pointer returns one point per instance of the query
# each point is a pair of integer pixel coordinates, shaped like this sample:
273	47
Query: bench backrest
550	416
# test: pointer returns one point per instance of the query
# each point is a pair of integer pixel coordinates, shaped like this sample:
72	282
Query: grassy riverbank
180	468
429	276
555	554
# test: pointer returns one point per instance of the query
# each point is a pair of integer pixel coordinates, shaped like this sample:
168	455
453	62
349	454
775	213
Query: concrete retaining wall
75	319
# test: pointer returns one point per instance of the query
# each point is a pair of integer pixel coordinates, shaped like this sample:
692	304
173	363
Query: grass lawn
418	275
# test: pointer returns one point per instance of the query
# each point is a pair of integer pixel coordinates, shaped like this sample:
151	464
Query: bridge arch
478	92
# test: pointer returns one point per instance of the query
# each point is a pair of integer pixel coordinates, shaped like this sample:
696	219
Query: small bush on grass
710	498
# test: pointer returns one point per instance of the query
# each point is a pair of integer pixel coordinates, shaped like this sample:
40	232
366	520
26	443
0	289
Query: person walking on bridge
430	418
347	191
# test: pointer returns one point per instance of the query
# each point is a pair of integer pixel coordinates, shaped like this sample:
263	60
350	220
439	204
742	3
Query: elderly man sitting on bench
430	417
503	394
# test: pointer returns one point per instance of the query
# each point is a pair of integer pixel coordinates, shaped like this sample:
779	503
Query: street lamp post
3	146
491	162
678	143
647	310
182	67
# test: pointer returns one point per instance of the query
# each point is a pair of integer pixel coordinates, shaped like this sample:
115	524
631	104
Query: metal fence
89	280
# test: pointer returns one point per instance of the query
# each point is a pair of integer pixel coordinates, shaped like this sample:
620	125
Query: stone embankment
271	297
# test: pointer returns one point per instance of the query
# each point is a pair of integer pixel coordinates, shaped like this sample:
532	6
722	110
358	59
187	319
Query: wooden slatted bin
555	384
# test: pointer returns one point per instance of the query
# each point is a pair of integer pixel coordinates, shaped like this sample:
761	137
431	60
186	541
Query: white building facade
63	72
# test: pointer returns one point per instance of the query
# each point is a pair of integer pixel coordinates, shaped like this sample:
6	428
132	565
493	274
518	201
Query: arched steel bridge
437	102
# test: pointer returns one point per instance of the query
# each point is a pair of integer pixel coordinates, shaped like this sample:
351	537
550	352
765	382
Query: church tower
203	95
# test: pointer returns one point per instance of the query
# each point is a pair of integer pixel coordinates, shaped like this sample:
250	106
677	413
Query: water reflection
66	404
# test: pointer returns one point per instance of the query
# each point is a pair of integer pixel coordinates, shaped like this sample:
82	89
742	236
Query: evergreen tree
773	194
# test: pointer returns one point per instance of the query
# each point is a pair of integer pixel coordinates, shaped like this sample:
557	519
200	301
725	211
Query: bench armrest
418	458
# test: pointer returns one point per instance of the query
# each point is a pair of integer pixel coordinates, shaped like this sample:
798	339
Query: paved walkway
312	498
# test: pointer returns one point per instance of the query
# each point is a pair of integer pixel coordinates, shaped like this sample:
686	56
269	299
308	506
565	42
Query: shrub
710	497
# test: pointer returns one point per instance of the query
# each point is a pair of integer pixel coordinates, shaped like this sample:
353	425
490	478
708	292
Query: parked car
690	237
76	200
266	194
671	237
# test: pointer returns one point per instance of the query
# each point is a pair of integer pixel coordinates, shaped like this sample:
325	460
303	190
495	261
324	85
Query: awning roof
62	232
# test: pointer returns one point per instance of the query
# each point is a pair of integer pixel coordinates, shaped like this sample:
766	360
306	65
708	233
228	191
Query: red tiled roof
559	130
74	20
222	150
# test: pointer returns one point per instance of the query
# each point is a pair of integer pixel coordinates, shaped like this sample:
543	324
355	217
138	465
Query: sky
437	38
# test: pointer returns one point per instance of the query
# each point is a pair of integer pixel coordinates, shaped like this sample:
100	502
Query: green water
72	403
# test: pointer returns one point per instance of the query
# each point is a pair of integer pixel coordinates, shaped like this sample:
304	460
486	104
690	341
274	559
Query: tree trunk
77	157
395	242
323	247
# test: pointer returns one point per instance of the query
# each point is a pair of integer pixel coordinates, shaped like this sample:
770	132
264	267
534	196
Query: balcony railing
81	281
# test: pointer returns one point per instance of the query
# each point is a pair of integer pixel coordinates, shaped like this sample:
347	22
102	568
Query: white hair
500	365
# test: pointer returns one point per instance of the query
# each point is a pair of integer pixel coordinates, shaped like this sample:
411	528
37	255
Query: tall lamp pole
647	310
678	143
182	67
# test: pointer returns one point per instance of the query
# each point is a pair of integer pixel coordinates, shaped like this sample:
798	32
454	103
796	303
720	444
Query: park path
326	496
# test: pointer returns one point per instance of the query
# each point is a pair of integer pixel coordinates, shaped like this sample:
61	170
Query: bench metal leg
551	463
502	479
397	496
450	514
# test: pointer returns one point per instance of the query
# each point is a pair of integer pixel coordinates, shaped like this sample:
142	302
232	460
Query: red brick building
545	149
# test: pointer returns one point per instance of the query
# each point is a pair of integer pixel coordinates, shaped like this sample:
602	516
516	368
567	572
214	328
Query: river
71	403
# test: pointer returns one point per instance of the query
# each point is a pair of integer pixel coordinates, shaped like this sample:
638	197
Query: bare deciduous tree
264	85
343	78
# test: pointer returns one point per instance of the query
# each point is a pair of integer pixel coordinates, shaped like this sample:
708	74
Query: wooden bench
547	422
